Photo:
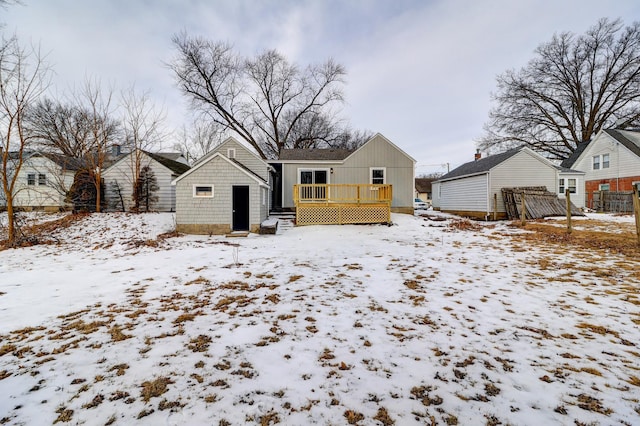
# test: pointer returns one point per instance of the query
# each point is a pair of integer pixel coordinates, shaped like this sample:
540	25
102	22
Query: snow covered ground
422	322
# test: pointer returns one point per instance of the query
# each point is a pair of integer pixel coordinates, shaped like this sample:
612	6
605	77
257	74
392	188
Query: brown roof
315	154
423	184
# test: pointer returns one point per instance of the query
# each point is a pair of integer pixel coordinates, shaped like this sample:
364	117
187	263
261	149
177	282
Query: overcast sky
420	72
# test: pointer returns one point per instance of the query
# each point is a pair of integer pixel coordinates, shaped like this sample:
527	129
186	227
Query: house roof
330	154
482	165
423	184
314	154
629	138
175	166
571	160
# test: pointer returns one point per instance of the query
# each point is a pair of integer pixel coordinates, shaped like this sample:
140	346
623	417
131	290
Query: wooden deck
326	204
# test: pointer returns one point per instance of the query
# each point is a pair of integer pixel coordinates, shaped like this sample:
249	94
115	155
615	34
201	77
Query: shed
226	190
474	188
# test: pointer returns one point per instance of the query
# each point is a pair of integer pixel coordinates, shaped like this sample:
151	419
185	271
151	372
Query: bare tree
61	128
142	126
573	87
23	78
266	101
198	139
102	131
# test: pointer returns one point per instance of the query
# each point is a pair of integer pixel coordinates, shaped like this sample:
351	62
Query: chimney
478	155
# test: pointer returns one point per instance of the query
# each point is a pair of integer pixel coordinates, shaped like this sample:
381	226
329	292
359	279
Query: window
231	153
603	187
601	161
42	179
571	185
205	191
31	179
377	175
264	196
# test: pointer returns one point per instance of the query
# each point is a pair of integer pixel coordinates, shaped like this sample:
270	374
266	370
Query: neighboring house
423	189
119	177
474	188
610	161
226	190
378	161
43	181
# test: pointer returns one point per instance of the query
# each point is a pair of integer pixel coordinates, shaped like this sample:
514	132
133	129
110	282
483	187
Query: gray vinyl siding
355	169
122	172
465	194
521	170
218	209
244	156
290	178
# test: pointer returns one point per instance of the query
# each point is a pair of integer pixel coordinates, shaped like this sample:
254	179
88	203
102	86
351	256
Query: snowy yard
423	322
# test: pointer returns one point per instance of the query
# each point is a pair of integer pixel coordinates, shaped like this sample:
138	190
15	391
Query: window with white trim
203	191
231	153
264	196
604	187
31	179
42	179
378	175
564	184
601	161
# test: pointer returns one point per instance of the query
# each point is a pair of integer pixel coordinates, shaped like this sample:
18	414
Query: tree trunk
11	218
98	182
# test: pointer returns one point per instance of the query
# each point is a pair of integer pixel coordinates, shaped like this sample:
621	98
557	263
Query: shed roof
482	165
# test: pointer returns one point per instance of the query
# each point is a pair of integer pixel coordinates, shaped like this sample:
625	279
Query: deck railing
342	203
342	193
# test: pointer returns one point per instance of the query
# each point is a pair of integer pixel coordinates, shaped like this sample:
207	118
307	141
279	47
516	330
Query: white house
610	162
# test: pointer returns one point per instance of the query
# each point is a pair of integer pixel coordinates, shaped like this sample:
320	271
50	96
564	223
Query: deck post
636	211
523	211
568	198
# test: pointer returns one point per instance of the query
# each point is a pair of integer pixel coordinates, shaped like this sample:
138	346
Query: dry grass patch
200	343
117	335
624	243
154	388
353	417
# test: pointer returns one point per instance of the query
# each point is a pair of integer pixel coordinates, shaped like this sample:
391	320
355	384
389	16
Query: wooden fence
539	203
612	201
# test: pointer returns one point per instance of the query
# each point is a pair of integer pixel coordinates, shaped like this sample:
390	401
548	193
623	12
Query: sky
420	72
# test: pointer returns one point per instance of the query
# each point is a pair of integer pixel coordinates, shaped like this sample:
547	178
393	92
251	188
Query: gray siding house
118	179
226	190
377	161
473	188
